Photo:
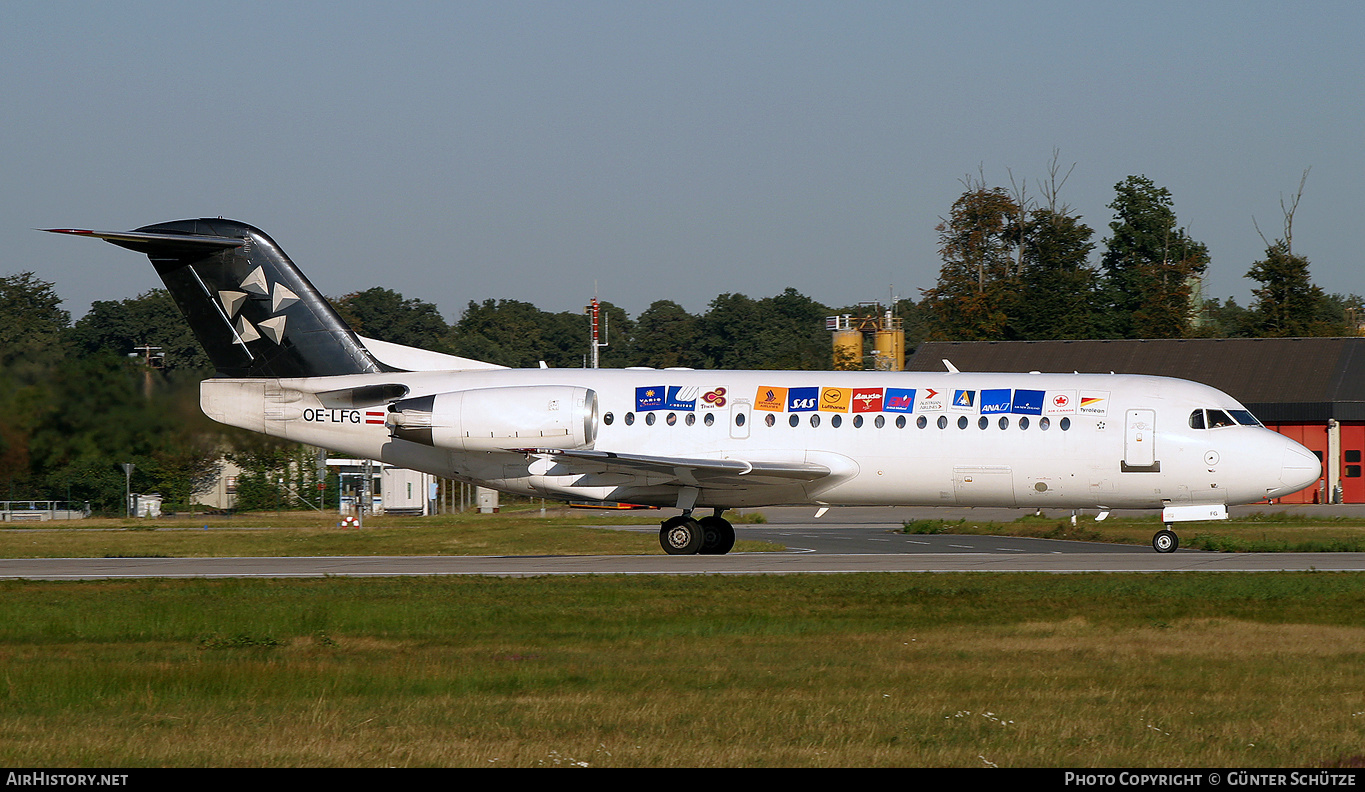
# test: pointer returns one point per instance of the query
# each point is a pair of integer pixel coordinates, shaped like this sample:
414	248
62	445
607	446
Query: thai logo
714	398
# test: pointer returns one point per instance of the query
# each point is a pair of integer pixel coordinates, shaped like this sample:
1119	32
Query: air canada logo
1060	403
272	327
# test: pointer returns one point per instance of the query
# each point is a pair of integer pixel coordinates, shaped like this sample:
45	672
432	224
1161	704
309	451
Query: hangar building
1311	389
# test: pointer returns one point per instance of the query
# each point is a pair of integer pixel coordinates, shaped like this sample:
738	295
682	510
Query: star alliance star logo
280	298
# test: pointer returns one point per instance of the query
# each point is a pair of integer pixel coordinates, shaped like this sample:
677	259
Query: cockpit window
1214	419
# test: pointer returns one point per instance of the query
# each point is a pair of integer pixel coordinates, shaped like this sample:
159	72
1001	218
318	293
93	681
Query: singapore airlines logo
280	298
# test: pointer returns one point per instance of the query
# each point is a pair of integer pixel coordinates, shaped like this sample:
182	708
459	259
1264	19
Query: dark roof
1279	379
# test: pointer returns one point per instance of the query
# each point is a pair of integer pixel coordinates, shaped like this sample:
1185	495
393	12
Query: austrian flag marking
374	417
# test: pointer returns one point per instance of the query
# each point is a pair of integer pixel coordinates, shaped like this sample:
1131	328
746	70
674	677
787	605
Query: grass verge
1260	533
851	670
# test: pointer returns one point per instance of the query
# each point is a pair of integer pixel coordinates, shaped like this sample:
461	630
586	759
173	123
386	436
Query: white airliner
290	367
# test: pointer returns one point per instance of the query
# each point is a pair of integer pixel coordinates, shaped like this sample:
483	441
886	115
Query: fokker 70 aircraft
288	366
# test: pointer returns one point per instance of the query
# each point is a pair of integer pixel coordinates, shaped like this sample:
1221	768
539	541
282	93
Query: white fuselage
986	439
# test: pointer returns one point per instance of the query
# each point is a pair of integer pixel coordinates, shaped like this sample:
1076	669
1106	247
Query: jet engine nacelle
488	419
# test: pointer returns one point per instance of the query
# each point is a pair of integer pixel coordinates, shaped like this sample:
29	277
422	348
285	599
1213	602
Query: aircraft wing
679	471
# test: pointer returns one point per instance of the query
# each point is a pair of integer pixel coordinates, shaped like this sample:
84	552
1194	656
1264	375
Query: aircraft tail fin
252	310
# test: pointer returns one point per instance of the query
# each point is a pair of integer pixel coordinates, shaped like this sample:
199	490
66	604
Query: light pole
127	489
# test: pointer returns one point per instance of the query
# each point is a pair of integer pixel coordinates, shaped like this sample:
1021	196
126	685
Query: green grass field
973	670
849	670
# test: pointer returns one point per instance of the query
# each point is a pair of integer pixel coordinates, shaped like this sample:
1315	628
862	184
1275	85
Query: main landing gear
683	535
1165	540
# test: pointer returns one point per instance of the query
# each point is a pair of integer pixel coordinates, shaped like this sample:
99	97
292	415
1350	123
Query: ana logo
995	401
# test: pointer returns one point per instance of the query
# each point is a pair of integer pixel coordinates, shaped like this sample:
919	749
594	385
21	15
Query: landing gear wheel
1165	541
681	535
718	536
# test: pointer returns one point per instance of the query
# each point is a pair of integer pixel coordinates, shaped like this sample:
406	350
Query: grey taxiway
856	540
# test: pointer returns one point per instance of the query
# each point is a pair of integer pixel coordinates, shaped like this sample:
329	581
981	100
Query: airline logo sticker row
892	400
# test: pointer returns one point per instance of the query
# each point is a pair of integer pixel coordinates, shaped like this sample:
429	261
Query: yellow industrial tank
890	346
848	350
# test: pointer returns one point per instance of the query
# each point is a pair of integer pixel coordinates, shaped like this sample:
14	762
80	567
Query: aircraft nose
1300	468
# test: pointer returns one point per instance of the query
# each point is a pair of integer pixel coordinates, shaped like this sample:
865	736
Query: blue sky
457	151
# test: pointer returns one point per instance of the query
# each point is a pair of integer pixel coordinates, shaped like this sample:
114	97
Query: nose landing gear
1165	540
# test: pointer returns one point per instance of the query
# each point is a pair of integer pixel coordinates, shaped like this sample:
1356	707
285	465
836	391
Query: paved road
862	540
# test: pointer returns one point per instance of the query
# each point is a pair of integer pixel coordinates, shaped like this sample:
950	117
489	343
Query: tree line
79	399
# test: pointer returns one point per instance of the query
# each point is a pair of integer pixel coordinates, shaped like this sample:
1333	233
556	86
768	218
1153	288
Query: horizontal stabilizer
149	243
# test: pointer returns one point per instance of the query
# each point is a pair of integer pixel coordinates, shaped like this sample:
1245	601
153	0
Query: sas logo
834	399
802	399
649	398
867	400
899	400
771	399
